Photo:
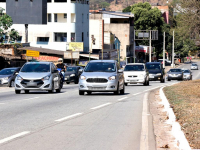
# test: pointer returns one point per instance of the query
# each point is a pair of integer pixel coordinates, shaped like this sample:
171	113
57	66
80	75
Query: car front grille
96	88
134	76
97	80
27	83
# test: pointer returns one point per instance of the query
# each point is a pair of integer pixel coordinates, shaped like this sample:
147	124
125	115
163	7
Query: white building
67	21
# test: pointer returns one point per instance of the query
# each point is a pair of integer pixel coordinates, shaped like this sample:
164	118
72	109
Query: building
67	21
105	25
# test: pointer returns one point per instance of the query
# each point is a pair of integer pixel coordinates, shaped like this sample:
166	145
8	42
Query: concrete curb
176	128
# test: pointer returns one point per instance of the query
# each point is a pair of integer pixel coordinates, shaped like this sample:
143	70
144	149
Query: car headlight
112	78
141	76
6	78
19	78
82	77
158	74
180	74
46	78
72	75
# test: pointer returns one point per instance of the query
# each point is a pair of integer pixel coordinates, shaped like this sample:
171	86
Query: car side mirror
120	71
80	70
55	71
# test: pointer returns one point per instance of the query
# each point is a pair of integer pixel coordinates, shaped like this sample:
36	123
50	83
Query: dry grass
185	100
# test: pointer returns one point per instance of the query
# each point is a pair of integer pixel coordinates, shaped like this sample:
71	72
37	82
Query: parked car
175	74
194	67
156	71
136	73
187	74
7	76
102	76
72	74
38	76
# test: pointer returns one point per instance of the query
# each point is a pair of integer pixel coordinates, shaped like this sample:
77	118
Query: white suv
136	73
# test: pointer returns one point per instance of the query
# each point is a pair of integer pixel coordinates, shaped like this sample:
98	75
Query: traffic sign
32	53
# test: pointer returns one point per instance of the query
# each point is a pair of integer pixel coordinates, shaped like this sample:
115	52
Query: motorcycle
62	76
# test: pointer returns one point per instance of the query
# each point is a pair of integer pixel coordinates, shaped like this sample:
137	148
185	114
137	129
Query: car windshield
37	67
186	71
134	68
100	67
71	69
175	70
7	71
194	64
153	66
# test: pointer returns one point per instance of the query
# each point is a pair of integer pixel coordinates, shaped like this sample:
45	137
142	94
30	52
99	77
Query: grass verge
184	98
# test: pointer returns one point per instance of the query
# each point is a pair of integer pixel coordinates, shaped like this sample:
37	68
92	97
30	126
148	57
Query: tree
13	35
147	18
104	4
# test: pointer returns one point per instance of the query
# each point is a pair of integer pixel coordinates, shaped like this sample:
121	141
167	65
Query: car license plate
133	80
32	84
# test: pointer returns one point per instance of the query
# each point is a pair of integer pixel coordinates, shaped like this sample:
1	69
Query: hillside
118	5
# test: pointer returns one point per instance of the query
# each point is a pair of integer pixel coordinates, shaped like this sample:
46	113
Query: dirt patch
164	138
184	98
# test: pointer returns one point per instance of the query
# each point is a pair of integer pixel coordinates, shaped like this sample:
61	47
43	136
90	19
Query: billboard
27	11
71	55
75	46
32	53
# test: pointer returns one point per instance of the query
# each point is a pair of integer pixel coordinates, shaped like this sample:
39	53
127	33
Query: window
82	36
2	1
72	37
82	18
60	37
65	15
49	17
55	18
42	40
60	1
48	1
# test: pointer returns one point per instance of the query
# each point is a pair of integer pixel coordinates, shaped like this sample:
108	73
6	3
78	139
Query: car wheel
168	80
148	82
117	92
26	91
89	93
17	91
162	80
126	84
52	90
81	93
145	82
58	90
76	82
123	90
12	84
68	82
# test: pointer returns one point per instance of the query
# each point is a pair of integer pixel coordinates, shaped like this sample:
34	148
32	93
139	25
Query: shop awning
43	50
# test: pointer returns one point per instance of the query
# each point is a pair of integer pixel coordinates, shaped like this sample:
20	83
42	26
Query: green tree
104	4
13	35
147	18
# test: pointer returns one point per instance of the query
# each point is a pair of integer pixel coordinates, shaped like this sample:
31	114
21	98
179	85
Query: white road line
30	99
122	98
137	93
101	106
144	145
14	136
69	117
2	103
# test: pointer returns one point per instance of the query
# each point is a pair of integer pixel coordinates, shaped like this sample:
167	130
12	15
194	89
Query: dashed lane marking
69	117
122	98
100	106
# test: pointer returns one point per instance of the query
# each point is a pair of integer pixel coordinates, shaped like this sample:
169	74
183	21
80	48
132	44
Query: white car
136	73
194	67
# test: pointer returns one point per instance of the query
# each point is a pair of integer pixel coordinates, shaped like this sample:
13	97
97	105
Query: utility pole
164	50
173	51
150	47
134	47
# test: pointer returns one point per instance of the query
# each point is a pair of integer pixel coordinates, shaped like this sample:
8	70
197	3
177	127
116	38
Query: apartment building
67	21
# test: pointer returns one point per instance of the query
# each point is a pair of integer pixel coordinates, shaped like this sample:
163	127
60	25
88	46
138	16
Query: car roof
12	68
113	61
136	64
153	63
43	62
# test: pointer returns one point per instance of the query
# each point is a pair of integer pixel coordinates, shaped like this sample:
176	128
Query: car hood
4	76
175	73
33	75
98	74
128	73
154	71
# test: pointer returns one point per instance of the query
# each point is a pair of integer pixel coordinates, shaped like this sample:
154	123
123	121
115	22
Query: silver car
194	67
102	76
38	76
187	74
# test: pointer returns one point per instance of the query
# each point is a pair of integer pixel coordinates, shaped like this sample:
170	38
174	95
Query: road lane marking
69	117
122	98
137	93
30	99
2	103
100	106
14	136
144	145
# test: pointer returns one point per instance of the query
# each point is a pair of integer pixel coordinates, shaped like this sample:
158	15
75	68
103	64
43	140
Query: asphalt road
67	121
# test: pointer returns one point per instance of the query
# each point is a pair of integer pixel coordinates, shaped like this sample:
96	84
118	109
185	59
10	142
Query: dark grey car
175	74
72	74
8	75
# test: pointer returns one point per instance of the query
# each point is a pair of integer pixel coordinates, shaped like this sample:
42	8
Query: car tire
145	82
52	90
126	84
162	80
81	93
168	80
148	83
76	82
117	92
68	82
17	91
58	90
26	91
89	93
12	83
123	90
